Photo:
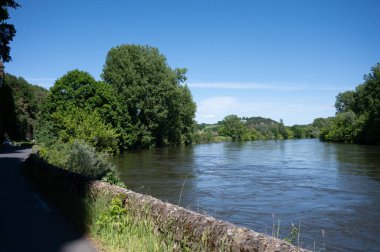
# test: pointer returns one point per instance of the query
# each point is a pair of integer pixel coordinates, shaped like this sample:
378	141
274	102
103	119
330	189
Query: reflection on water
359	159
329	189
171	166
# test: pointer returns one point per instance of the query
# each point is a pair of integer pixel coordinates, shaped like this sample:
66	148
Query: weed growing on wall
116	229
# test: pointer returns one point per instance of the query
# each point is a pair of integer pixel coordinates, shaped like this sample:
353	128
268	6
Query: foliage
293	235
310	130
7	31
79	107
98	214
233	127
345	101
75	123
56	154
257	128
282	130
118	230
112	177
19	107
160	107
345	127
358	113
83	159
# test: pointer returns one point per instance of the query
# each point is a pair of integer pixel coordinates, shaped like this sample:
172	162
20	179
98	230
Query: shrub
83	159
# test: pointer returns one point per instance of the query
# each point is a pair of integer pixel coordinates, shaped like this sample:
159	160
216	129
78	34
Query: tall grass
110	224
180	195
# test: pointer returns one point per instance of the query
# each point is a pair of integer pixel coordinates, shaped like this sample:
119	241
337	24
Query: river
331	191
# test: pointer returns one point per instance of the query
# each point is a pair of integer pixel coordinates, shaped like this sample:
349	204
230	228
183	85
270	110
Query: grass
293	236
113	225
115	229
98	215
180	195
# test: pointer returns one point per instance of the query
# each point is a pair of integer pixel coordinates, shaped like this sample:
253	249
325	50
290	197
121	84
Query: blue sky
273	58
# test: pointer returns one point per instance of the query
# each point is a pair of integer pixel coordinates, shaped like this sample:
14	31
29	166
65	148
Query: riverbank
317	185
176	228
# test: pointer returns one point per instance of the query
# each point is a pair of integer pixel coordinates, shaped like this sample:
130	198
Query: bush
83	159
56	154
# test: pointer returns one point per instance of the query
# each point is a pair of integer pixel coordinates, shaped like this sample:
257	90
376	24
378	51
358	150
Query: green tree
282	130
7	31
19	107
368	100
345	127
345	101
159	105
80	107
75	123
358	113
233	127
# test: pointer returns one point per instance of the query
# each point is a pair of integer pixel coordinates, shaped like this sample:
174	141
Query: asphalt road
27	222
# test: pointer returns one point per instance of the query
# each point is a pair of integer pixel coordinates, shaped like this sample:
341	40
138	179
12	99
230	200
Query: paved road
27	223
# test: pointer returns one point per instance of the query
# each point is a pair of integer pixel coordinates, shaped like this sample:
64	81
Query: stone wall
197	231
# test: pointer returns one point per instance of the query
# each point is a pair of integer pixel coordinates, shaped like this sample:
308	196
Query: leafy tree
320	122
233	127
75	123
358	113
79	107
19	107
345	101
7	31
160	107
282	130
345	127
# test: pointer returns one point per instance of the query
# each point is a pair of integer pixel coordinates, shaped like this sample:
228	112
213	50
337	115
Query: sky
282	59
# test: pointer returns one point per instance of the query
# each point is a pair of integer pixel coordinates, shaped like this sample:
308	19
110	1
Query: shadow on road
27	222
14	149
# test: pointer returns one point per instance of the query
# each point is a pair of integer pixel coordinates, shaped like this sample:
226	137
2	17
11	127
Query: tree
74	123
159	105
345	127
19	107
358	113
233	127
7	31
282	130
80	107
345	101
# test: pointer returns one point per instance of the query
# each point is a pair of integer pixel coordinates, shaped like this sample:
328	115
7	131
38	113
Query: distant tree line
141	103
357	117
234	128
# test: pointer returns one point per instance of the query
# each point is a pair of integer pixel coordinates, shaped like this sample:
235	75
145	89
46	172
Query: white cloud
214	109
209	116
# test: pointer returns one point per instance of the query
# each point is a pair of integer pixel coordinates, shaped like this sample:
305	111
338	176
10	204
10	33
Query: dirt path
27	223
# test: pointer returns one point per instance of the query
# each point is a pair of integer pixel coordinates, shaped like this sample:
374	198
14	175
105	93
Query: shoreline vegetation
78	107
141	102
118	219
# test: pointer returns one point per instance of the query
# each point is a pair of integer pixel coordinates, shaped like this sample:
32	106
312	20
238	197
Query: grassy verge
121	220
115	229
102	217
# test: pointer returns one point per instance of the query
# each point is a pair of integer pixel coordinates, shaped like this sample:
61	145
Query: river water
331	191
